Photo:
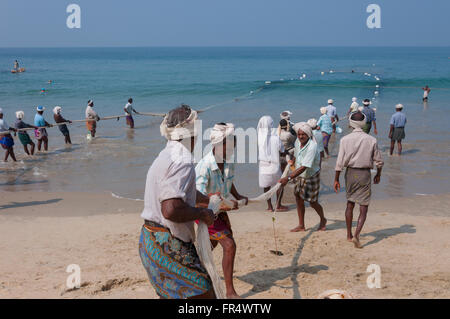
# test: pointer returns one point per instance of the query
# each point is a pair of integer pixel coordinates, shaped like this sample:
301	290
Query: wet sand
42	233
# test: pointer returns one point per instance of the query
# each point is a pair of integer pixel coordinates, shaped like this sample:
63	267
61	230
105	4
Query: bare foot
323	225
269	210
357	243
282	209
298	229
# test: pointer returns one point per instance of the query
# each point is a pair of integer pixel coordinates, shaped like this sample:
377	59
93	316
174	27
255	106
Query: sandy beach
42	233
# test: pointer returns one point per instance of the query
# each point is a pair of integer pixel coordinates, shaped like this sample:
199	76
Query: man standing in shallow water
358	152
397	130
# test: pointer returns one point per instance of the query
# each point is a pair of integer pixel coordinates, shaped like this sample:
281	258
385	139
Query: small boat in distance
21	70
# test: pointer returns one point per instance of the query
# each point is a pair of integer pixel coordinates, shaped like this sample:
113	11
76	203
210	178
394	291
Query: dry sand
42	233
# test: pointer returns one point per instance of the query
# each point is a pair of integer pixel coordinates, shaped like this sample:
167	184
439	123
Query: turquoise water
161	78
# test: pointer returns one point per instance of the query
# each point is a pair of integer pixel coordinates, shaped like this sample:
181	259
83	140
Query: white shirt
4	127
129	109
172	175
90	113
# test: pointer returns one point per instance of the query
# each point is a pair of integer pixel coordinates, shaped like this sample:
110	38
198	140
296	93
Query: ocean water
161	78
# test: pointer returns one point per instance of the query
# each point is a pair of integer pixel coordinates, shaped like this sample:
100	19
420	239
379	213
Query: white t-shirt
129	108
331	110
172	175
90	113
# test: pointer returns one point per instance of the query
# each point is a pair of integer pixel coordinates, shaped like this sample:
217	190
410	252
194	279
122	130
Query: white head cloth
57	110
286	115
357	124
221	132
330	101
367	103
180	131
354	99
20	115
265	131
1	110
399	106
323	110
312	123
305	128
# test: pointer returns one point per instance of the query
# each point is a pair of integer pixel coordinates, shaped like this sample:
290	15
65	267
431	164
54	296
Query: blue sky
25	23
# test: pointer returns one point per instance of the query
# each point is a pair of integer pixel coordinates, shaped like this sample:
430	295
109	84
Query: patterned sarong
91	125
308	188
173	266
221	227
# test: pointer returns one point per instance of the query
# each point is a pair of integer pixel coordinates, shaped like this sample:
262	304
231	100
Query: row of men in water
40	124
177	192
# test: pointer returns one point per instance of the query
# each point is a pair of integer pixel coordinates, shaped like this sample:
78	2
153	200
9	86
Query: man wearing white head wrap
23	135
397	128
370	117
270	148
214	174
332	113
358	152
63	127
91	118
306	176
166	244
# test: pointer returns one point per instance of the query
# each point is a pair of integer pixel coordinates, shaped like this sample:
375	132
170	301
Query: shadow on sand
388	232
263	280
28	204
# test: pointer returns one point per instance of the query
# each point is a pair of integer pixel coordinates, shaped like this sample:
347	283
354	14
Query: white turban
357	124
286	115
20	115
312	123
221	132
330	101
180	131
57	110
399	106
354	99
323	110
305	128
366	103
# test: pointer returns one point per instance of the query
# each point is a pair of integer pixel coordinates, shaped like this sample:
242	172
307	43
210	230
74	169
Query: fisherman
358	152
166	244
16	66
319	138
6	139
63	127
326	128
353	107
91	118
332	113
23	135
129	113
270	148
288	138
215	174
397	129
370	117
306	176
286	115
426	93
41	133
